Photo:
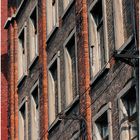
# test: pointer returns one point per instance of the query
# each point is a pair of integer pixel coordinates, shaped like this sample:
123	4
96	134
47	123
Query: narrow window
98	50
102	128
33	36
52	15
22	122
35	114
102	125
70	70
128	115
21	54
54	89
123	21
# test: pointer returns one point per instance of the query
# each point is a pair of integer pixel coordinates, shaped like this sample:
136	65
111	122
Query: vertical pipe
43	65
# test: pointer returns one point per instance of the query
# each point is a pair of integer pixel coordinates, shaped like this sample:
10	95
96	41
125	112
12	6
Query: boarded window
22	122
35	114
98	52
21	54
52	15
54	89
127	116
33	36
70	70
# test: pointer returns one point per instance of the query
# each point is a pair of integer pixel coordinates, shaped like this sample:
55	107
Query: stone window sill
67	8
52	32
100	74
33	62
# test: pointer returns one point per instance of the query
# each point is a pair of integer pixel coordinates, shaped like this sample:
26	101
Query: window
97	37
33	36
35	112
102	128
52	15
23	121
22	54
128	116
54	88
123	21
70	68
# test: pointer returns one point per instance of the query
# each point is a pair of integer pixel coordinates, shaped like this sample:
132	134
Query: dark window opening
102	124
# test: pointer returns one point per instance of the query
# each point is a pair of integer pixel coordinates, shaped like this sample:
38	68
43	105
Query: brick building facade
73	69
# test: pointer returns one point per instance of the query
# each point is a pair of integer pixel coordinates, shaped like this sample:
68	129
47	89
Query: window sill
67	9
126	45
52	32
54	123
96	78
33	62
70	106
21	80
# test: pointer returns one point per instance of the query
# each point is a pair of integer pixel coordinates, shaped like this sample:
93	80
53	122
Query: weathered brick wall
66	25
32	73
112	82
4	74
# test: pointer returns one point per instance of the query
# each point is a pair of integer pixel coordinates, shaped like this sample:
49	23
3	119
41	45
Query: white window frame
107	108
120	95
52	115
96	69
36	85
31	61
24	65
24	102
50	27
69	99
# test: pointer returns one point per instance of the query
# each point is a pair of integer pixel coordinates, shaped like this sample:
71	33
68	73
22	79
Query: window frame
105	109
100	69
36	85
70	36
24	102
31	62
50	25
24	74
56	59
130	85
